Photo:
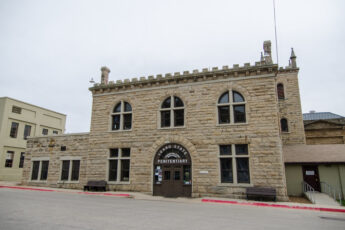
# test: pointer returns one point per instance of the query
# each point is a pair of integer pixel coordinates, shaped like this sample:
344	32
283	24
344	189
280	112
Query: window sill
169	128
118	182
285	133
38	181
119	131
232	124
235	185
68	182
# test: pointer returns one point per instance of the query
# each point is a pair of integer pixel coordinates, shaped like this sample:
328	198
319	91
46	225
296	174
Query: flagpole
275	29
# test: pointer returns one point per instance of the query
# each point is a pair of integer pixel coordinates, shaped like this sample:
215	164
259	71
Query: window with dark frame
9	159
172	112
27	131
231	109
39	170
280	91
44	170
70	170
44	131
14	129
35	170
119	164
121	117
21	161
55	132
16	109
234	168
284	125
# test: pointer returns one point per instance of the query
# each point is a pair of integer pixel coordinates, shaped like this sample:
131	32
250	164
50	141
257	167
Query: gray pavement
20	209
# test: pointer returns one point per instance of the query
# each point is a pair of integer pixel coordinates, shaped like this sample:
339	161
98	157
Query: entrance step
322	199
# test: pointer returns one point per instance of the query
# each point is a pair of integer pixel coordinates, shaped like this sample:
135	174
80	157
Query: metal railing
308	191
332	192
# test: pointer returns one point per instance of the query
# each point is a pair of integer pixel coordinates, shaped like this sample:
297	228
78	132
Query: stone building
212	132
18	121
321	162
324	128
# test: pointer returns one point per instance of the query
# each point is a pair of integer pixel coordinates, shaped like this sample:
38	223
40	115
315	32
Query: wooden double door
173	181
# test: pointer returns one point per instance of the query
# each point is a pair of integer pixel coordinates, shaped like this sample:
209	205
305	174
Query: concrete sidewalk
216	200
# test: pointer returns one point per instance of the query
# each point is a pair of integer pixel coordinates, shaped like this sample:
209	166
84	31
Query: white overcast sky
49	50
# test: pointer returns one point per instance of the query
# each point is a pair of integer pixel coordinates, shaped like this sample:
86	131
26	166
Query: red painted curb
51	190
274	205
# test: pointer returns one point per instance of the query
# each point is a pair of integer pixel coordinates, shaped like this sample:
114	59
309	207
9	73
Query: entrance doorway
311	176
172	172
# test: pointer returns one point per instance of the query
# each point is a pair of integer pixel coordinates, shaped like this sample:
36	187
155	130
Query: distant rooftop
312	116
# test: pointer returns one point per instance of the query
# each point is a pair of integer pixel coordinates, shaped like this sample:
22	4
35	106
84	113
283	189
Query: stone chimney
267	52
293	59
105	75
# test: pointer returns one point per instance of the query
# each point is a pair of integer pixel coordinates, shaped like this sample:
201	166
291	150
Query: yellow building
18	120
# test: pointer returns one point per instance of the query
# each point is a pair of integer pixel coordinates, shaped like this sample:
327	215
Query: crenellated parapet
260	68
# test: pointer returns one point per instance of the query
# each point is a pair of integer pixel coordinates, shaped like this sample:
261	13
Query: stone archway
172	176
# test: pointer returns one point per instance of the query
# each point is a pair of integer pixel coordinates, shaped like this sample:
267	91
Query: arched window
121	116
280	91
231	108
172	112
284	125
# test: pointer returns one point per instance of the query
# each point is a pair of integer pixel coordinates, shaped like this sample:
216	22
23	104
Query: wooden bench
96	185
261	192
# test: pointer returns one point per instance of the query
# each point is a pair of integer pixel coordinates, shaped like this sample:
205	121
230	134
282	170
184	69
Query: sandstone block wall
201	134
77	145
290	108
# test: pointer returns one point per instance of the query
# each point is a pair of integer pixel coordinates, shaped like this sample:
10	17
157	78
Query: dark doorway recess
311	176
172	172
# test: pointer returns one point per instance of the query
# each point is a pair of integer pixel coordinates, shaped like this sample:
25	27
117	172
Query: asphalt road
53	210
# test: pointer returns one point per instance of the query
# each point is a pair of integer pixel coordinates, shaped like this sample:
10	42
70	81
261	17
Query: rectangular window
14	129
116	122
226	170
179	117
224	114
16	109
165	118
21	162
44	170
65	170
55	132
9	159
127	121
239	113
70	170
119	164
44	131
35	169
75	170
27	131
234	168
112	170
39	170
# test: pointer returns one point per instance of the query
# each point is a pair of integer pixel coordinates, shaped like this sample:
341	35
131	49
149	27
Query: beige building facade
19	121
212	132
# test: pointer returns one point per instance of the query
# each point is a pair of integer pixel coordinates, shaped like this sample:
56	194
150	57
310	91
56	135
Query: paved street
58	210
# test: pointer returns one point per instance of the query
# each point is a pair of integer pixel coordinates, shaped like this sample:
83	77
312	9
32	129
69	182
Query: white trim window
70	168
119	164
231	108
234	164
121	116
39	170
172	112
